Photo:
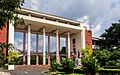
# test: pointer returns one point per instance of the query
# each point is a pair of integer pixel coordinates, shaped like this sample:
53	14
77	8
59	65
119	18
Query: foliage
33	59
89	62
54	65
12	56
19	61
115	54
110	58
40	59
9	11
2	46
63	50
68	65
111	37
102	55
6	45
115	58
1	58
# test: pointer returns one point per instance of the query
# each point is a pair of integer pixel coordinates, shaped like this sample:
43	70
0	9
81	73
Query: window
74	45
74	41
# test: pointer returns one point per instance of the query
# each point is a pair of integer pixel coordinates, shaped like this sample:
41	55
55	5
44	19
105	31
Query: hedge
109	71
111	67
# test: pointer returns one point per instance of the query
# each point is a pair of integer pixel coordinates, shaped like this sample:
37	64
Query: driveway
27	72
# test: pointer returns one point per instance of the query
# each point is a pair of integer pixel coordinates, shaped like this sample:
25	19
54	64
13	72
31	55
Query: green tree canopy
111	36
9	11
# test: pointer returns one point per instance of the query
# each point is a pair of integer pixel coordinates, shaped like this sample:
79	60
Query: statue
78	52
78	59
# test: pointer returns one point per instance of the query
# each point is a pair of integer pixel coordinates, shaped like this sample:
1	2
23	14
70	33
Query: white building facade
77	34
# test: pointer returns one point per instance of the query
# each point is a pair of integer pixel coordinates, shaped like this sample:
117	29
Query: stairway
32	67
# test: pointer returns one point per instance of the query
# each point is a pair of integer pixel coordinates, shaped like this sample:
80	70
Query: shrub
19	61
101	56
40	59
54	65
12	56
68	65
33	59
1	58
78	70
90	65
89	62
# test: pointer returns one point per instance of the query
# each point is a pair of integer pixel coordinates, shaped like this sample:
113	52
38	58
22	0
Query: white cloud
18	45
84	19
106	10
96	28
34	4
34	1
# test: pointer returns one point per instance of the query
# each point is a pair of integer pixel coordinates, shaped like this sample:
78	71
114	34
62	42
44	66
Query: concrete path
5	73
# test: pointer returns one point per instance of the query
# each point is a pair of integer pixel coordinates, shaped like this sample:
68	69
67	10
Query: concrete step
32	67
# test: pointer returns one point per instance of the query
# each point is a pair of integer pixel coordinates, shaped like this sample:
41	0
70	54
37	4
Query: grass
63	73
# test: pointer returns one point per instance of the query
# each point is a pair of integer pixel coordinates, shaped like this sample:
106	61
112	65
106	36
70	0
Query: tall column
83	38
68	34
66	46
24	46
37	49
29	46
57	47
44	58
49	49
11	33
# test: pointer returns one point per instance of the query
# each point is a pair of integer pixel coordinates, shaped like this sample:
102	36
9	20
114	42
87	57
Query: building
96	43
77	34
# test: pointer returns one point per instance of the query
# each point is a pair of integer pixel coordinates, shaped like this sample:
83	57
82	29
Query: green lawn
63	73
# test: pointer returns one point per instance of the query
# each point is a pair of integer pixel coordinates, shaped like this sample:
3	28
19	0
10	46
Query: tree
9	12
111	37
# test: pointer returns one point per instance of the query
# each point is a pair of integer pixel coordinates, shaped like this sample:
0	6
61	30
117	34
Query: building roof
96	38
47	16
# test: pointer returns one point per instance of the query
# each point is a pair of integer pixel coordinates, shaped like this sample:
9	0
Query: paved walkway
4	73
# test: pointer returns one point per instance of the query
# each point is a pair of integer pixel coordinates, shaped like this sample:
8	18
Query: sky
99	14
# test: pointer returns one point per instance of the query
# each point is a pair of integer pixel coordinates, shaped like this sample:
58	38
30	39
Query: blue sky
99	13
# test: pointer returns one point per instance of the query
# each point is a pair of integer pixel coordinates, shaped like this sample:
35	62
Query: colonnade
44	46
